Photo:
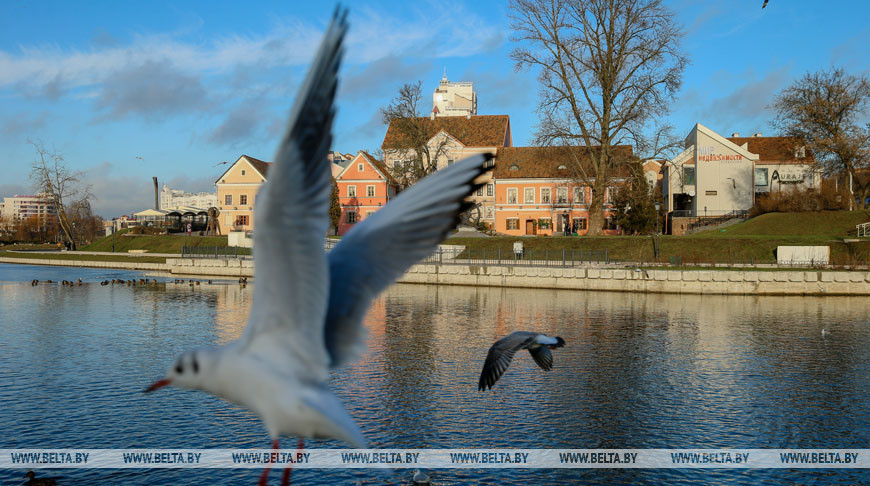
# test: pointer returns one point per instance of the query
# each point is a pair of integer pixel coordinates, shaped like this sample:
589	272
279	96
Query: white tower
454	99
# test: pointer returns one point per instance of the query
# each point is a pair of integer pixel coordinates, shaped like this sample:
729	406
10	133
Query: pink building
538	191
364	186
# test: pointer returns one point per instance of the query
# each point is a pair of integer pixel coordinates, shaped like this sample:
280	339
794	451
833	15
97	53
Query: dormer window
359	167
514	168
562	167
800	152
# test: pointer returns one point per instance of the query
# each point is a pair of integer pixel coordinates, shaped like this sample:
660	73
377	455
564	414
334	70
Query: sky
128	90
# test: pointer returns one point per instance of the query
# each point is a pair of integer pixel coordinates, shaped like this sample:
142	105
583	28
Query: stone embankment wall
662	281
156	267
216	267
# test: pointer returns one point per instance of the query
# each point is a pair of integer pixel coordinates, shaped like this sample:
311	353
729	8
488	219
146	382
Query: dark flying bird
308	308
765	3
502	352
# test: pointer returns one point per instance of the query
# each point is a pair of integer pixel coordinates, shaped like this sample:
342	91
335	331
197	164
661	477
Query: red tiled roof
477	131
258	164
775	149
544	162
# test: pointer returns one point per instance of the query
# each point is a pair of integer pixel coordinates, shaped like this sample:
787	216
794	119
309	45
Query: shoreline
667	281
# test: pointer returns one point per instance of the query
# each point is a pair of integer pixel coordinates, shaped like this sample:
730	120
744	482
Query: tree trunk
596	206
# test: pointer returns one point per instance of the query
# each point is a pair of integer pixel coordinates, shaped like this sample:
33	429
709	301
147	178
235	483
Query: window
512	195
489	189
513	223
545	223
489	212
800	152
761	176
359	167
545	195
579	195
351	191
370	191
243	199
529	197
610	194
242	220
562	195
489	163
228	200
351	217
610	223
710	193
449	162
479	191
579	224
688	176
243	171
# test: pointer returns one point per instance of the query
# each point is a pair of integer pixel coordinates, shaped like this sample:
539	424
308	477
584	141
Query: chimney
468	116
432	115
756	134
156	195
735	135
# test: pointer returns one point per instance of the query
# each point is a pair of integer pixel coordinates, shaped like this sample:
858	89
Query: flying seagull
306	318
500	354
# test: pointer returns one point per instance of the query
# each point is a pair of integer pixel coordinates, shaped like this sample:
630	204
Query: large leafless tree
64	188
414	149
826	109
608	70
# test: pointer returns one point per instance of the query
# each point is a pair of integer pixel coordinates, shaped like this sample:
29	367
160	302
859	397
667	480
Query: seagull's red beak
158	384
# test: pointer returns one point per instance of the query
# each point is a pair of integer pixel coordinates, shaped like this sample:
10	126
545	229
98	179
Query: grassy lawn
89	258
753	241
155	243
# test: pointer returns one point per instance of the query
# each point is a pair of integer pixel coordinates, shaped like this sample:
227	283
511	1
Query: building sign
787	177
705	154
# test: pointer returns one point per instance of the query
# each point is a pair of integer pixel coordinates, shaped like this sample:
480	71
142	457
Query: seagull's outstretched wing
500	355
381	248
291	280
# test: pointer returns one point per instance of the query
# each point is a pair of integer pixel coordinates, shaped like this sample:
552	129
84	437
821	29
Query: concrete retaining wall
230	267
157	267
662	281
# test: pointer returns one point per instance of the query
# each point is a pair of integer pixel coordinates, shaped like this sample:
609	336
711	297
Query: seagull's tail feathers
336	422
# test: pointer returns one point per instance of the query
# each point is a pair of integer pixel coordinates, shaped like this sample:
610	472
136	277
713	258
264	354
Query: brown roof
544	162
258	164
381	167
775	149
477	131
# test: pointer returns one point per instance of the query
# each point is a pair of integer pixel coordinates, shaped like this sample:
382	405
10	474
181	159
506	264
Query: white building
454	99
175	198
17	208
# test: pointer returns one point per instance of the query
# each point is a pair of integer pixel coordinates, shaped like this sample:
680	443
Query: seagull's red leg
285	479
265	476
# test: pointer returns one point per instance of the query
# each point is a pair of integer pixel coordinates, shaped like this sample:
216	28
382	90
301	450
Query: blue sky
186	85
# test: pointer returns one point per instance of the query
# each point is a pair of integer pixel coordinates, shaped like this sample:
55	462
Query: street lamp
657	240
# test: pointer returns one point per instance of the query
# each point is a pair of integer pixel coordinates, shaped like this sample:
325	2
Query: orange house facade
364	186
237	190
535	194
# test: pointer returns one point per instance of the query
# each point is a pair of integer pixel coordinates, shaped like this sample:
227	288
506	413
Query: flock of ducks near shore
243	282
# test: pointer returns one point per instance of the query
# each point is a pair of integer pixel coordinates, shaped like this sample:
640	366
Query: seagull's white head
190	370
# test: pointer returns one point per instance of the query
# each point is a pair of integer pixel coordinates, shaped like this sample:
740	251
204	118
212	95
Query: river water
638	371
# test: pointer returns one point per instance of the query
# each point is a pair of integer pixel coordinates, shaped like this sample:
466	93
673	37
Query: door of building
530	227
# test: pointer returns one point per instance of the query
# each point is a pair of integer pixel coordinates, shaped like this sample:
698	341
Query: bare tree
608	69
62	187
825	108
414	145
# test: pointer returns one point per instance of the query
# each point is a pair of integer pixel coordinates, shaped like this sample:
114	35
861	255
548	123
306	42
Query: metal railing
713	220
535	258
216	252
863	229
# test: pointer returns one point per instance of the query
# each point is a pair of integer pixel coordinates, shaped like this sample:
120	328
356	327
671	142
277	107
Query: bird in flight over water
307	312
502	352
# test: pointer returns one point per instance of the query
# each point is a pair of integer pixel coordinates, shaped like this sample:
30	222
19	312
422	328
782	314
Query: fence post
563	258
606	259
440	258
547	257
499	255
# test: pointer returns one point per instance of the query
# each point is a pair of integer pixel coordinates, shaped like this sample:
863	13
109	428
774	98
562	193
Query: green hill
828	224
153	243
